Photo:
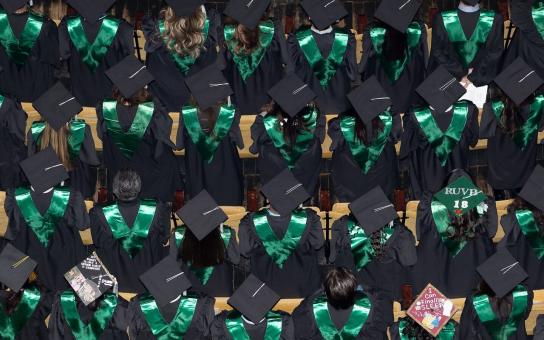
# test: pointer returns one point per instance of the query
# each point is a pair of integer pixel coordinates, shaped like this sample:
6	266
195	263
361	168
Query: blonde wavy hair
184	34
58	140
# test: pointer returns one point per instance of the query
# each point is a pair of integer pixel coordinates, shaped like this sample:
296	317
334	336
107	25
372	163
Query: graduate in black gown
284	243
342	311
209	131
90	43
135	131
12	142
289	134
407	329
183	40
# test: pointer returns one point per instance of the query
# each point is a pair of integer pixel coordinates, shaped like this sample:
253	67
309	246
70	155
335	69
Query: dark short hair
340	286
127	185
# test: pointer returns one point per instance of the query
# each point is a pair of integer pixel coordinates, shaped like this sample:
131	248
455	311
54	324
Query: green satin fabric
361	244
441	220
537	12
12	324
443	142
487	316
183	63
127	141
93	53
207	143
447	333
352	328
18	49
531	230
394	68
235	326
280	250
75	139
43	226
247	64
179	325
291	153
132	239
366	155
101	317
467	48
324	68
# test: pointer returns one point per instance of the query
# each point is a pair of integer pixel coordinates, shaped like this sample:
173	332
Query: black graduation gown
395	335
169	85
91	88
65	249
386	273
300	275
154	158
270	162
127	270
12	143
538	332
426	172
219	330
332	99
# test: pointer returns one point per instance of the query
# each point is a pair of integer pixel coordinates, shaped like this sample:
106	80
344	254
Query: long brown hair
502	306
291	126
211	113
521	204
139	97
361	130
184	34
210	251
58	140
511	120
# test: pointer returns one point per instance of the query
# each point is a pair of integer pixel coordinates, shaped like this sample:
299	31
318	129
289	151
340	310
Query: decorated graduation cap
502	272
253	299
16	267
91	10
184	8
285	192
369	100
166	281
373	210
57	106
518	80
324	13
292	94
398	13
202	215
12	5
208	86
440	89
460	196
247	12
129	75
533	190
44	170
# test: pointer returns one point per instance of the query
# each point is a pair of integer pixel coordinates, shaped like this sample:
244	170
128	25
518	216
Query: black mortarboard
285	192
398	13
129	75
471	2
166	281
373	210
441	89
369	100
202	215
502	272
247	12
208	86
44	170
253	299
185	8
57	106
91	10
15	266
518	80
533	190
291	94
324	13
12	5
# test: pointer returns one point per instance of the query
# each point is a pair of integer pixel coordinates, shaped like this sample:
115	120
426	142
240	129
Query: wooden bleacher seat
3	216
86	236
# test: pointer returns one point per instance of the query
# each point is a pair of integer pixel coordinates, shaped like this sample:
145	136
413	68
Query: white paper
477	95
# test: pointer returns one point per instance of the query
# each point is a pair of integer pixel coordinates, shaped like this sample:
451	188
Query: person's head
511	118
470	3
340	287
394	44
141	96
290	125
246	39
364	133
184	34
127	185
521	204
209	251
58	140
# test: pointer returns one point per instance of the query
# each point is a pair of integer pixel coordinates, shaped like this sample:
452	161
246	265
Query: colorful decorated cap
185	8
292	94
519	80
202	215
253	299
460	196
57	106
16	267
398	13
440	90
324	13
373	210
44	170
369	100
285	192
533	190
166	281
11	6
208	86
502	272
129	75
247	12
91	10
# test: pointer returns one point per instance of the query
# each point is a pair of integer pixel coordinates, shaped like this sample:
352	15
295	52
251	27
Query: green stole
487	316
467	48
529	130
43	226
132	239
18	49
280	250
441	220
183	63
352	328
394	68
537	12
531	230
447	333
443	142
361	243
127	141
12	324
235	326
324	68
207	144
75	139
180	323
92	54
366	155
247	64
101	317
291	153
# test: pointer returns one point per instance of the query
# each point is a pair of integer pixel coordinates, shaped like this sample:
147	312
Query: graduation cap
16	267
44	170
253	299
57	106
502	272
91	10
460	196
373	210
129	75
291	94
441	89
472	2
202	215
533	190
208	86
247	12
185	8
369	100
12	5
324	13
285	192
398	13
166	281
518	80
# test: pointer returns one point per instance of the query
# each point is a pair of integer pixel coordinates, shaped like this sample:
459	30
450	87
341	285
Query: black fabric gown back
219	330
12	143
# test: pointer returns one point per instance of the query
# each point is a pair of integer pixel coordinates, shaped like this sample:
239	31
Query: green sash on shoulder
447	333
75	139
179	325
352	328
18	49
361	243
235	326
12	324
537	12
532	231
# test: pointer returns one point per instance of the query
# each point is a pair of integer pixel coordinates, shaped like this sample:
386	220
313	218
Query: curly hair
183	35
413	330
291	126
521	204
